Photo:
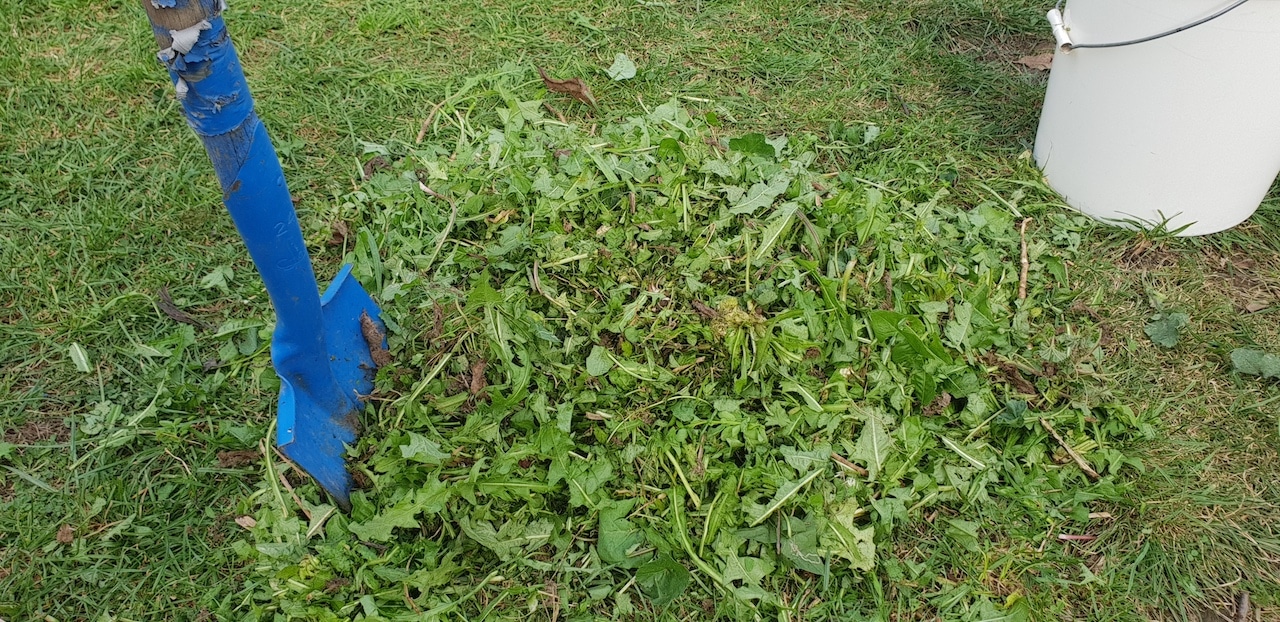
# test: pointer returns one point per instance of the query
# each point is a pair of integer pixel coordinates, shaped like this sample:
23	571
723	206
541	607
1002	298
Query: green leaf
1057	268
482	292
433	497
235	325
784	494
722	513
958	328
805	461
79	357
855	545
874	444
749	570
967	454
422	449
778	227
619	536
1165	328
718	168
378	528
585	479
669	148
800	546
754	144
564	417
846	539
512	539
760	195
622	68
871	134
964	533
599	362
663	580
1014	413
1256	363
809	398
218	278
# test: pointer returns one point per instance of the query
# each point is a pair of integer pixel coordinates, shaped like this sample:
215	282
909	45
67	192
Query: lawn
751	338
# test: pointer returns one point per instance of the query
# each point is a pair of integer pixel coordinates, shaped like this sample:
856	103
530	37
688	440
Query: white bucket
1183	130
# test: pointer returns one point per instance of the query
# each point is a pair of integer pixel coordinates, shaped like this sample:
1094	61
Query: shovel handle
318	348
210	83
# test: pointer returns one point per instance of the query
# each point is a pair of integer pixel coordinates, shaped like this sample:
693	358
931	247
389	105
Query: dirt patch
1006	50
38	430
237	458
1244	279
1144	255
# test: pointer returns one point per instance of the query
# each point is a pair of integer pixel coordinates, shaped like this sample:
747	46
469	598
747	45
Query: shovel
319	349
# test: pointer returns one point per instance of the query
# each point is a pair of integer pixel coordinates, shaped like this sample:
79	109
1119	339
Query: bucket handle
1066	44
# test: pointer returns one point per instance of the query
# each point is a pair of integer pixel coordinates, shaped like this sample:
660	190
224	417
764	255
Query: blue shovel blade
313	436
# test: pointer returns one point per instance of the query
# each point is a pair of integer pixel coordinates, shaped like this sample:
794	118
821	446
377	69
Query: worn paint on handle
317	348
208	79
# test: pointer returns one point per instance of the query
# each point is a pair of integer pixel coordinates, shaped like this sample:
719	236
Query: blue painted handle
218	106
319	348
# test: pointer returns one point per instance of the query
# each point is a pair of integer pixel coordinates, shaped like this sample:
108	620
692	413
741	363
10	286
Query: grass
105	197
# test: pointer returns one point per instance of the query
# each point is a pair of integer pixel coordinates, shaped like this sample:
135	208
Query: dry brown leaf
705	311
500	217
437	324
1069	537
170	309
246	521
378	163
478	382
373	338
339	233
236	458
1012	374
939	404
573	87
1255	306
66	534
1038	62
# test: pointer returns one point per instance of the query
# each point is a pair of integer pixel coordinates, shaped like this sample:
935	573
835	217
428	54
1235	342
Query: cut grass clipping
645	369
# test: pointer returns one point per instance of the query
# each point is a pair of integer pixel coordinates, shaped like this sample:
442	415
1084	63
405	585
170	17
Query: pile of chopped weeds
648	367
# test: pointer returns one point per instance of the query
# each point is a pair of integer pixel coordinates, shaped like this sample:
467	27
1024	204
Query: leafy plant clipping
1256	363
643	375
1166	327
623	68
